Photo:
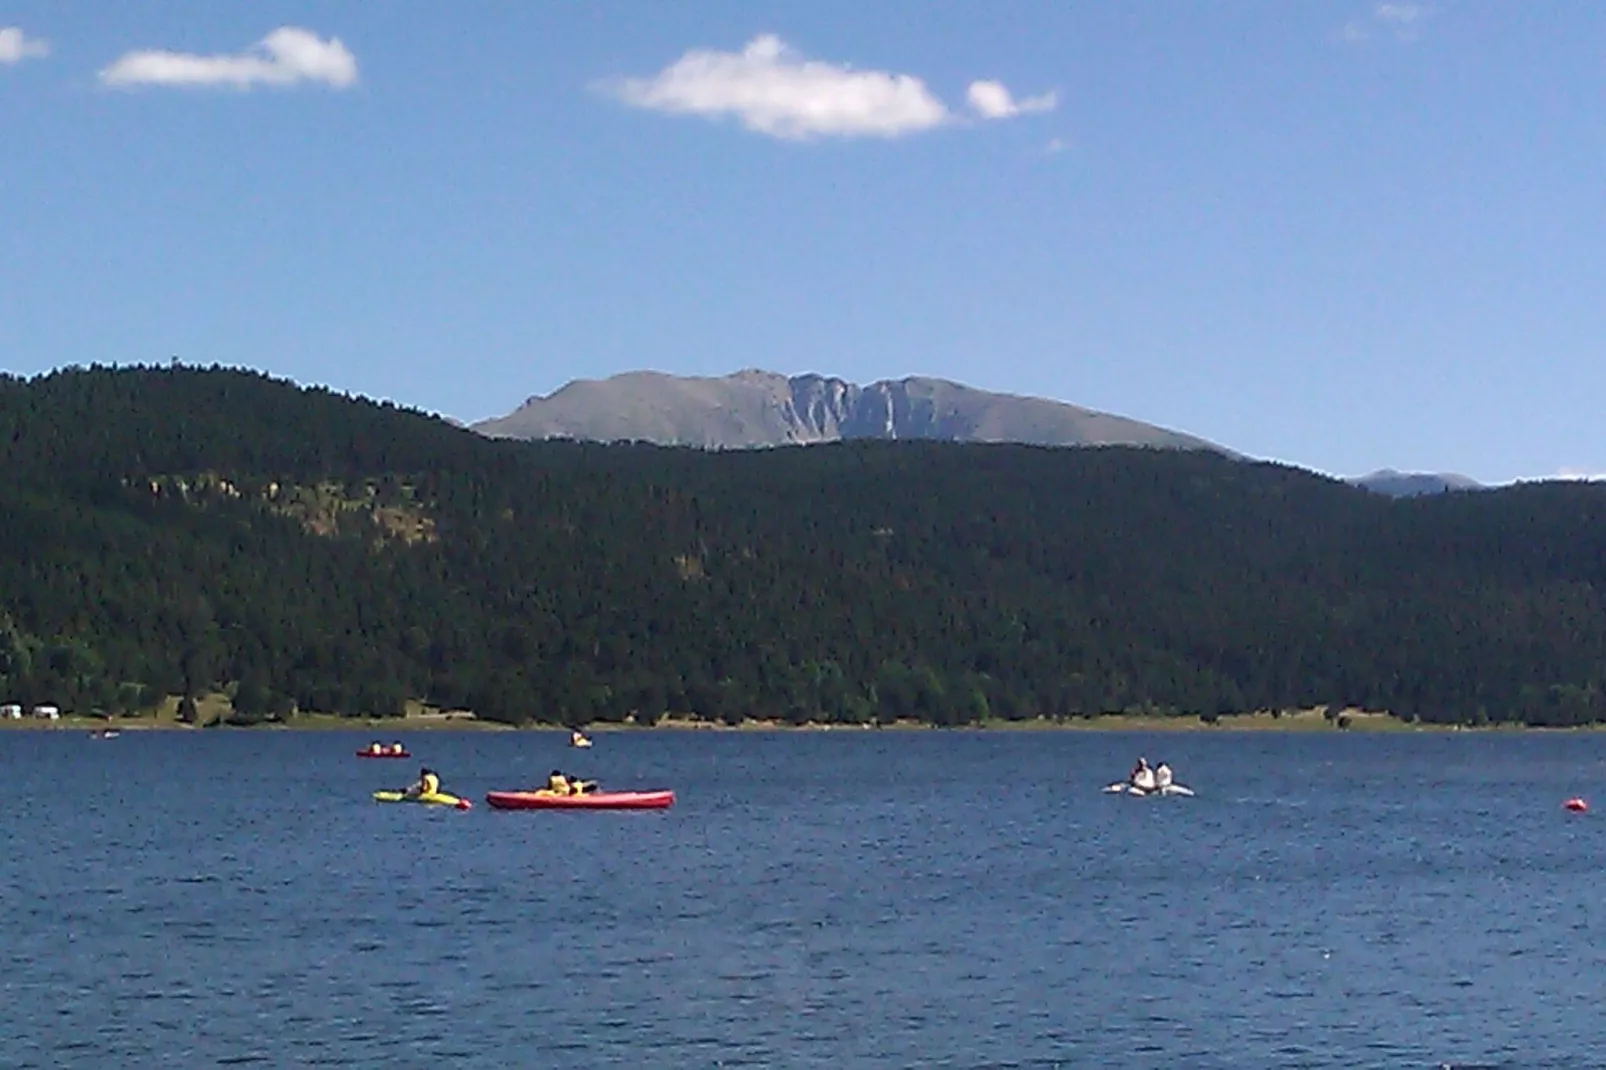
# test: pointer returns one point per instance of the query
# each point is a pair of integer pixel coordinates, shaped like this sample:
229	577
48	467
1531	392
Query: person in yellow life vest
375	748
561	784
395	748
429	783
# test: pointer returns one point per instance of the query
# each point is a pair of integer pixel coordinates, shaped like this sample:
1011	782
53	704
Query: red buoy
1576	805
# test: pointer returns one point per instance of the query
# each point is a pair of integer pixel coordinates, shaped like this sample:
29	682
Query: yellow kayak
438	798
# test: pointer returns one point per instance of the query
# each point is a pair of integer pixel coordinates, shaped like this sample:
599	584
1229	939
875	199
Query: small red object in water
1577	806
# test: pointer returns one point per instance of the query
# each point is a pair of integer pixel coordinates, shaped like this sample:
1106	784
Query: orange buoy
1576	805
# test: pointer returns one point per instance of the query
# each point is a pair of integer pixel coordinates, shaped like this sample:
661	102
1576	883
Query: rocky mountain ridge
756	408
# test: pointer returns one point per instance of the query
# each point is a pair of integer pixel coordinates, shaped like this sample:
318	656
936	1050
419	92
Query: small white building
11	712
48	713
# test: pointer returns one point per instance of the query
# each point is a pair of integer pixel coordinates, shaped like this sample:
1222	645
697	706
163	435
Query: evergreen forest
181	531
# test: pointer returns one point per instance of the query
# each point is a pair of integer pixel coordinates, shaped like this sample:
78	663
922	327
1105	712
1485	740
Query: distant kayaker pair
1146	781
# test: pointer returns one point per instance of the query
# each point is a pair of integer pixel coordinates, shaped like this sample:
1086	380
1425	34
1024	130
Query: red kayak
384	754
600	800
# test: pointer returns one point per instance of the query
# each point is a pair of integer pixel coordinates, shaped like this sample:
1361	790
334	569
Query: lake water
813	900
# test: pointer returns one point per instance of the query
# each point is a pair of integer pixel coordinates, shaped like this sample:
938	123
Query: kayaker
376	747
1142	776
429	783
395	748
560	783
1162	776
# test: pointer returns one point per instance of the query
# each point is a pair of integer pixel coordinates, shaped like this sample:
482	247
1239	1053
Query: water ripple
814	901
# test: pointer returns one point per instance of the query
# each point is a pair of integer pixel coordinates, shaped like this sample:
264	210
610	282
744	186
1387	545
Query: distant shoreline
385	728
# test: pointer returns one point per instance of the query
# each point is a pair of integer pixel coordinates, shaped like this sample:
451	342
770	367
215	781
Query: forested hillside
182	531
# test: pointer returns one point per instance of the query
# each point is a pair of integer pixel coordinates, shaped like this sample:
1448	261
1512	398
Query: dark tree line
178	531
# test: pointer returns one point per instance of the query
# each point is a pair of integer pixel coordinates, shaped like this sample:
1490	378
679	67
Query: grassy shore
1314	720
213	712
1308	720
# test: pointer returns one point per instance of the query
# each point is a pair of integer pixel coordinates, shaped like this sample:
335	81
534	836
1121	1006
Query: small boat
597	800
437	798
105	733
385	753
579	739
1577	805
1125	788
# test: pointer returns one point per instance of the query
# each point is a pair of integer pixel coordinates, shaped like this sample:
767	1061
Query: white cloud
1400	14
1583	474
774	91
286	56
991	100
16	46
1402	20
771	89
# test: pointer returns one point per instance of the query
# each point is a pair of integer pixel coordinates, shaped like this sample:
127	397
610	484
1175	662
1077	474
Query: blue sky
1342	235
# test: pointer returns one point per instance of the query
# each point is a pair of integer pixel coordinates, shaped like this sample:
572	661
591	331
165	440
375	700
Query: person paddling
1162	776
560	784
429	783
1142	776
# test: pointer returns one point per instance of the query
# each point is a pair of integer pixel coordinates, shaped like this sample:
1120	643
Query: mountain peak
1397	484
756	408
